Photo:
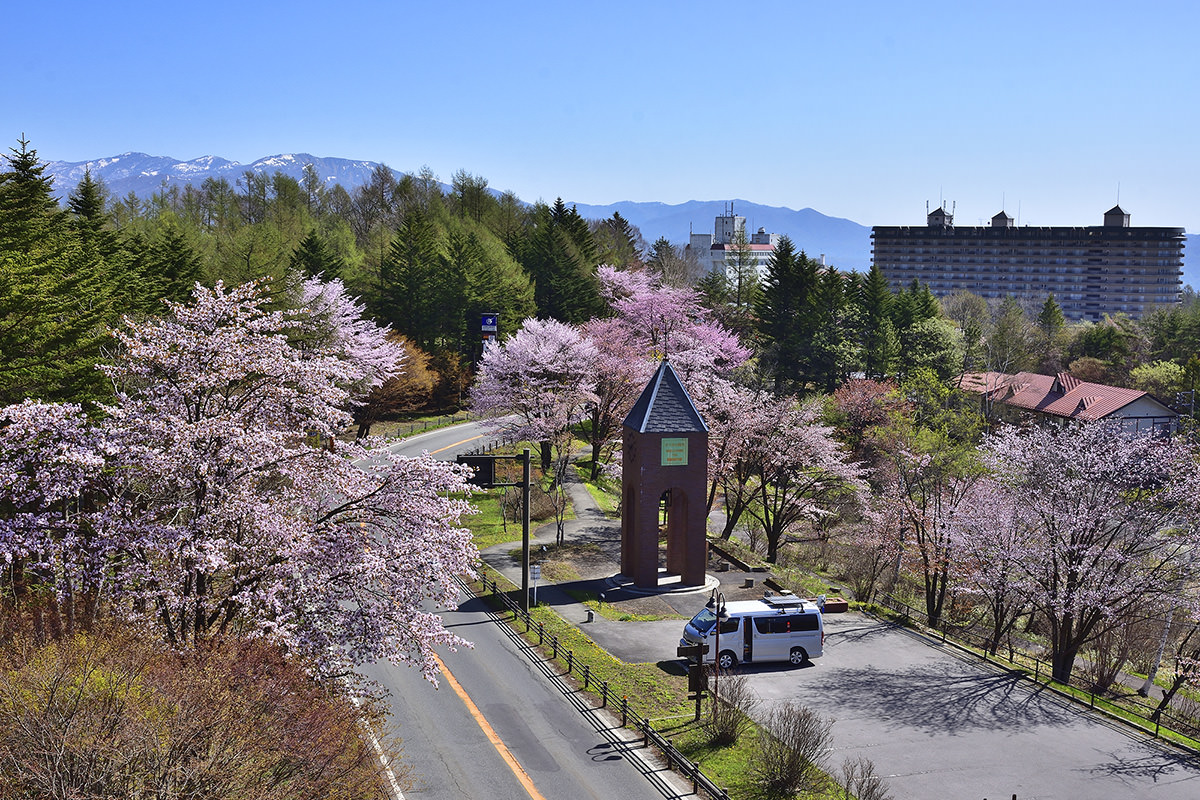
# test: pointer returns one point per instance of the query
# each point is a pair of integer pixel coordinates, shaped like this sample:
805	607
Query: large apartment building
1091	271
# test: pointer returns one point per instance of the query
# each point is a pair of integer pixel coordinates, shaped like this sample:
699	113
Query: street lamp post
716	603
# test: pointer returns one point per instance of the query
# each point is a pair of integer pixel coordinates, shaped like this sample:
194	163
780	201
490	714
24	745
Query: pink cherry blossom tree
333	321
991	542
537	386
1111	524
51	458
873	545
930	475
650	322
800	473
212	512
621	371
733	414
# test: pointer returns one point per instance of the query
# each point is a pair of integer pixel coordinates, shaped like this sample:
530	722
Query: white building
714	251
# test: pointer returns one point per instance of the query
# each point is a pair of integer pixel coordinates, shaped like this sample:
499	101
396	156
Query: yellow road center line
456	444
501	748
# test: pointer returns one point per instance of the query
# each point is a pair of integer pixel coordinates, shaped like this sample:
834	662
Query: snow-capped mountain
144	174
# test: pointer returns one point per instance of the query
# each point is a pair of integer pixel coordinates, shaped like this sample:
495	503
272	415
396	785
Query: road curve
561	748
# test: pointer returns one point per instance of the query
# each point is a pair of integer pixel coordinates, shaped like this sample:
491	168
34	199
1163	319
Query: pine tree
410	278
561	258
54	298
879	332
779	306
313	257
175	264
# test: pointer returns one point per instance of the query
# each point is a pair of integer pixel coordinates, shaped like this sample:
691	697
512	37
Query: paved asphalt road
935	724
563	749
939	726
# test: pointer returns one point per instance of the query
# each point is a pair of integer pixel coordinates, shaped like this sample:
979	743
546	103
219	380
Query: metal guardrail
1169	720
676	760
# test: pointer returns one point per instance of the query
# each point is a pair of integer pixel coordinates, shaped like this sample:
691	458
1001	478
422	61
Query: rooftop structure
1066	398
714	251
1091	271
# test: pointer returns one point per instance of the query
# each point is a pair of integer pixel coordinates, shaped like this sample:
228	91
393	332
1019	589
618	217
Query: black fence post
570	661
624	711
587	674
604	694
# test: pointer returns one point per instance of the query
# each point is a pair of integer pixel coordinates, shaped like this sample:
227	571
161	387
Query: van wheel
798	656
726	660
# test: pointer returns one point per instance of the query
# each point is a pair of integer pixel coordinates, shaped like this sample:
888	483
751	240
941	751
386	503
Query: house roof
1062	395
664	406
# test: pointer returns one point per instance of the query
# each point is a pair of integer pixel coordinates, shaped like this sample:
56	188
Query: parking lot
938	725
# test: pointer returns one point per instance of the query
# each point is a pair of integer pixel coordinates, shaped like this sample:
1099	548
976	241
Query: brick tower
665	464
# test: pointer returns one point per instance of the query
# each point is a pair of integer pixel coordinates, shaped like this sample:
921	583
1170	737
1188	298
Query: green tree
55	293
879	342
618	242
1009	342
781	303
561	258
314	258
411	278
1163	379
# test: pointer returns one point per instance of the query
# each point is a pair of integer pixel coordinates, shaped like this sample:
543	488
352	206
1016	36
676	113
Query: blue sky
863	110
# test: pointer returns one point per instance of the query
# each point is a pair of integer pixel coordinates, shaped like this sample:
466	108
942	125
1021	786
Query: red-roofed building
1064	397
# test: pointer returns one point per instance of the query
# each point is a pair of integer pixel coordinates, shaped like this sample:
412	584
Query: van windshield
704	621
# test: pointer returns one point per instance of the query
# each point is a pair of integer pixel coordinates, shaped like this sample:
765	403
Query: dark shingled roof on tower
665	406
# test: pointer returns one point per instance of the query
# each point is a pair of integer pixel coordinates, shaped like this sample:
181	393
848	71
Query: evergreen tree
410	278
1050	319
618	242
54	298
879	332
174	264
29	214
561	258
833	352
314	258
780	304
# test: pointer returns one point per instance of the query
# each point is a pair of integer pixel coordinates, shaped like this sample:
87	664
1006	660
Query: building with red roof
1064	397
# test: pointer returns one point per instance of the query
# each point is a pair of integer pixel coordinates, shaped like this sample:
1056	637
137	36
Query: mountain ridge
845	243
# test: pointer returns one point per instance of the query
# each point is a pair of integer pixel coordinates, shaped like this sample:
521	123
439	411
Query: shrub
860	782
729	714
791	749
111	715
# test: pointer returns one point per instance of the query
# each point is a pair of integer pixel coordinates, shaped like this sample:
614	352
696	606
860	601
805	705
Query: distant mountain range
844	243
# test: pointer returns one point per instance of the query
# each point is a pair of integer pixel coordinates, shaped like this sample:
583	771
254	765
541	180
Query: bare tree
791	750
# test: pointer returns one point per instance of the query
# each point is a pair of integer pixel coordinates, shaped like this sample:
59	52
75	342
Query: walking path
632	643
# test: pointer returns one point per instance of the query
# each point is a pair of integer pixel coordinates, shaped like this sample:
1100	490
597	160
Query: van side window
763	624
803	622
730	625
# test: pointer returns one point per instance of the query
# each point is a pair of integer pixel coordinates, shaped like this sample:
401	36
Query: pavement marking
501	748
456	444
383	759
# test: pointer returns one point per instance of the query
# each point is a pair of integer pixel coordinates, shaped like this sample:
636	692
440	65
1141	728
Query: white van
776	628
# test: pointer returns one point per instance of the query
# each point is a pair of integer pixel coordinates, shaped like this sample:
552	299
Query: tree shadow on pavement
947	697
